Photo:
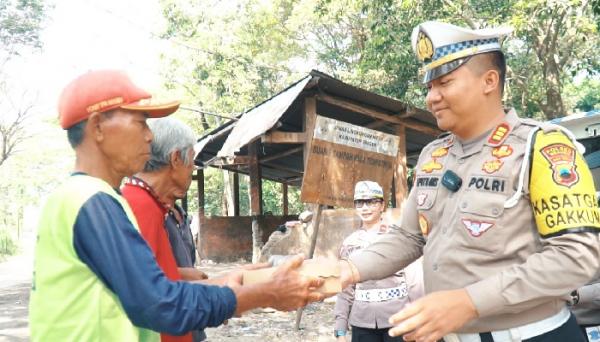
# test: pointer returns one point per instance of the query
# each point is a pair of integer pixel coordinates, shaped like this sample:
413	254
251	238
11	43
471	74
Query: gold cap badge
424	48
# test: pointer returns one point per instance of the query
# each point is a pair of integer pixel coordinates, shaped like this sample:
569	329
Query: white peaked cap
444	47
367	190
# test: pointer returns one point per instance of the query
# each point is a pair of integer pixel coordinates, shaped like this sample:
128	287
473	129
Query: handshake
291	283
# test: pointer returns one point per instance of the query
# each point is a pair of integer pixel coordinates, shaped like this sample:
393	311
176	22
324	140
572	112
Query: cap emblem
424	47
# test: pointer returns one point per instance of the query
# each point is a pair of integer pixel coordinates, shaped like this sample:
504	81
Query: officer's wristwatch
574	297
338	333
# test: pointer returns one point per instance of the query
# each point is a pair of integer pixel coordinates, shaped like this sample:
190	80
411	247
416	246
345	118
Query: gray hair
170	135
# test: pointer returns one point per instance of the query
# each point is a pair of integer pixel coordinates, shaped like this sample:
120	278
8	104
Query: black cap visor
444	69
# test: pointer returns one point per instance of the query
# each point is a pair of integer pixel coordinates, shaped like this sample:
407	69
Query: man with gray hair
152	193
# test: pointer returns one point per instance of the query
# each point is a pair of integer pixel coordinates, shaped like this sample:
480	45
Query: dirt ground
269	325
15	283
258	325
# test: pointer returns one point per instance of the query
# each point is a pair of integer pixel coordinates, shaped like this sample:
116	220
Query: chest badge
502	151
430	166
440	152
423	224
562	162
476	228
492	166
499	134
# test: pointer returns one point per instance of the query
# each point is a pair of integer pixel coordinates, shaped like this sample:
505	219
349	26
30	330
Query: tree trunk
554	106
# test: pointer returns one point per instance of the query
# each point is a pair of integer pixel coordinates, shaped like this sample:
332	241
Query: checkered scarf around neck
135	181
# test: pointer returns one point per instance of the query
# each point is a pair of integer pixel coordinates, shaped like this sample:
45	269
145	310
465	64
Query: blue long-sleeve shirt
106	241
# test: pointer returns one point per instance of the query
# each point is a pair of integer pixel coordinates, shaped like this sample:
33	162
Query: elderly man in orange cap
95	278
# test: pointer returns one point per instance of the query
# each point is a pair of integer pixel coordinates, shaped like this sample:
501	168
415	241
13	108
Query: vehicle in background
586	128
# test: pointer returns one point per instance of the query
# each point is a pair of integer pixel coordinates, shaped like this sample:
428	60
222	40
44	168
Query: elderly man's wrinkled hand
290	289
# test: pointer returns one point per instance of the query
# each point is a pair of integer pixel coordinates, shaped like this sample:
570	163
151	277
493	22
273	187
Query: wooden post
200	180
316	220
201	213
236	194
401	171
310	118
255	199
393	194
284	190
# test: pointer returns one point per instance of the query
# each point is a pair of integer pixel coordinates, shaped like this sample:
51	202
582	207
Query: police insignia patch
562	162
492	166
476	228
430	166
424	47
499	134
502	151
440	152
423	224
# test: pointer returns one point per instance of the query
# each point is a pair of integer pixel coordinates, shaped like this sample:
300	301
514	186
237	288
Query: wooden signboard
342	154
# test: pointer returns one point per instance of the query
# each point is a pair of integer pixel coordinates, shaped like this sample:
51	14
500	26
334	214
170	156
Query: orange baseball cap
104	90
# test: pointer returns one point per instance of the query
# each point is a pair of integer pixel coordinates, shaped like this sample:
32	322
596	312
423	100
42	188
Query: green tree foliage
588	96
232	55
20	24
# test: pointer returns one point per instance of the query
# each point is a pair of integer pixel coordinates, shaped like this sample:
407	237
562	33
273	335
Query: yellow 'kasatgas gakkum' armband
561	186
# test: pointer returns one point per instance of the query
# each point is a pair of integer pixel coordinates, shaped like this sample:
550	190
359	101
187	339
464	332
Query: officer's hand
234	278
348	273
341	339
429	318
291	290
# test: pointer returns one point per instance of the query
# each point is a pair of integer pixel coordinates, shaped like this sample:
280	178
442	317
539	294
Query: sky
82	35
78	35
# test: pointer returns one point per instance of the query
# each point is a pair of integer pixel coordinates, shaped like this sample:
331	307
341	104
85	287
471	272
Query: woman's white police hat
367	190
444	47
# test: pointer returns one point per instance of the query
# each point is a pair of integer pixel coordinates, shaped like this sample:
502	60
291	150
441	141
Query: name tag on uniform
427	182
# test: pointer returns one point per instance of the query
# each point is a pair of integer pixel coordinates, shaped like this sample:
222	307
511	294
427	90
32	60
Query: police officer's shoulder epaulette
548	127
525	128
532	129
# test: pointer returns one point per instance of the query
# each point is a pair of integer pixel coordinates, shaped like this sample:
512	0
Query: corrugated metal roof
285	111
260	119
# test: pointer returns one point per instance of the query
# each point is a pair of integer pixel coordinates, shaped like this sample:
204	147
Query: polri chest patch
487	183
